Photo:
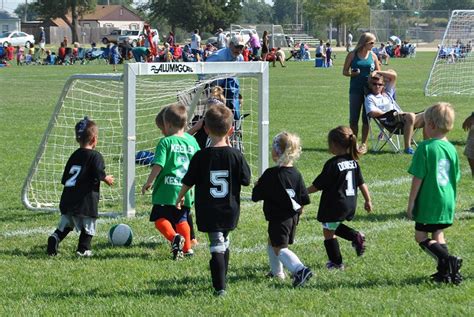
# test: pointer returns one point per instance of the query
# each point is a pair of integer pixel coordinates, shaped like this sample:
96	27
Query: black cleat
177	246
455	264
53	244
359	244
302	276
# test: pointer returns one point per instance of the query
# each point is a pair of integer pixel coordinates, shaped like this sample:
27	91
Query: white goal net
453	68
124	108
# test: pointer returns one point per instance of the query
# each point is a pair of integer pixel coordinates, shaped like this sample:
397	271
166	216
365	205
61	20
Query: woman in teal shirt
358	65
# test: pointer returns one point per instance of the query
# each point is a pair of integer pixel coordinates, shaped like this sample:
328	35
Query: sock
346	232
183	229
439	253
275	264
62	234
217	265
290	260
166	229
84	242
226	259
191	226
333	251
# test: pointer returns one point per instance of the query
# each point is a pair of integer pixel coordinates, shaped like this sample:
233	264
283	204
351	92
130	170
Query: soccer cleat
85	254
177	246
302	276
280	276
359	244
439	277
455	264
220	293
53	244
333	266
189	253
409	151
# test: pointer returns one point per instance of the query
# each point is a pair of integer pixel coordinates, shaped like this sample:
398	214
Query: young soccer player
171	161
435	170
82	175
339	180
218	172
284	194
160	123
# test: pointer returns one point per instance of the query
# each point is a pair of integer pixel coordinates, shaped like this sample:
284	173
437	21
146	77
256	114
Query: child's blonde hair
344	138
441	114
287	146
216	96
176	115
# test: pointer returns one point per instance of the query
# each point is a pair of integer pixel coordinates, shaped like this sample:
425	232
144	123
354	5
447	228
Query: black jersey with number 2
277	187
339	180
218	174
81	179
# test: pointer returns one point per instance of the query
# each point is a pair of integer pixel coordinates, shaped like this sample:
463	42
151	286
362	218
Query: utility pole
25	17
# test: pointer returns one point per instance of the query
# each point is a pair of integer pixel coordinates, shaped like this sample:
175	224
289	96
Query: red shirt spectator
10	52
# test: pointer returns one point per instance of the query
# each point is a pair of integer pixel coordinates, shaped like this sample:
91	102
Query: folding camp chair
388	132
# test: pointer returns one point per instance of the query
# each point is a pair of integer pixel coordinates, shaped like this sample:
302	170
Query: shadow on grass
381	217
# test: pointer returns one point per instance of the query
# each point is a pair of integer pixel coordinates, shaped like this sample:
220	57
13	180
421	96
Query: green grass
391	278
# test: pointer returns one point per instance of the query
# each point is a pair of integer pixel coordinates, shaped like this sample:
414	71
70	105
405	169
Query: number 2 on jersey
219	179
350	184
74	171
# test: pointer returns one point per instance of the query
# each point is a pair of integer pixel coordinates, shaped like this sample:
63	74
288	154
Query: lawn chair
387	133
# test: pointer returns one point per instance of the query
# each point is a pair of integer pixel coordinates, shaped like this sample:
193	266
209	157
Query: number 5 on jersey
219	179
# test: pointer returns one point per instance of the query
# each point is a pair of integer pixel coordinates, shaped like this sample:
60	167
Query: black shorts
426	227
170	213
282	233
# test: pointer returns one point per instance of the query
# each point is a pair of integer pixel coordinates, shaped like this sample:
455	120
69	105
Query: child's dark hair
160	118
216	96
218	120
176	115
85	129
344	138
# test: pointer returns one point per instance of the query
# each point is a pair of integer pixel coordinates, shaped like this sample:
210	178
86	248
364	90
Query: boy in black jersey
218	172
339	180
283	192
80	198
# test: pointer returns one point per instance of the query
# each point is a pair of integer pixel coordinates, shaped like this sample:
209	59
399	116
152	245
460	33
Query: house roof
111	13
103	13
5	15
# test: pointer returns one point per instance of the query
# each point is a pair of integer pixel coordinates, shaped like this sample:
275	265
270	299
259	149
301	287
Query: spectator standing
221	39
265	45
349	41
170	39
196	45
254	43
358	65
42	38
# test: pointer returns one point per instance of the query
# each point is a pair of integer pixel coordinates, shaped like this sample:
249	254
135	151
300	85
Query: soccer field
390	279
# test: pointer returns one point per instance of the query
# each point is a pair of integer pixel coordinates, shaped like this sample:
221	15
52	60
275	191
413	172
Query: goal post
452	72
124	106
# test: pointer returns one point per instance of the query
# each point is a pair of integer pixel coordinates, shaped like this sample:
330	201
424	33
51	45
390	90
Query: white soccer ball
120	235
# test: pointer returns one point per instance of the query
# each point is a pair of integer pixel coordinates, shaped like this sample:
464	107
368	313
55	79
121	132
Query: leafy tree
31	12
284	11
255	11
52	9
353	13
206	15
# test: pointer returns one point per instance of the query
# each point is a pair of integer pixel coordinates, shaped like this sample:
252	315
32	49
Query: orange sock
183	229
166	229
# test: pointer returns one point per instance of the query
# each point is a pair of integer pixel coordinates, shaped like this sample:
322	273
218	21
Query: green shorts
331	225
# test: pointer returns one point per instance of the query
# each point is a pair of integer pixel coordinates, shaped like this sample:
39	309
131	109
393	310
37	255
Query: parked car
17	38
131	37
114	36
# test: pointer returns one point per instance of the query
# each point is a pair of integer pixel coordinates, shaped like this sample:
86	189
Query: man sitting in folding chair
381	106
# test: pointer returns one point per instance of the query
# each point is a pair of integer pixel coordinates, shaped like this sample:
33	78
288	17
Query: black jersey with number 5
339	180
81	179
218	174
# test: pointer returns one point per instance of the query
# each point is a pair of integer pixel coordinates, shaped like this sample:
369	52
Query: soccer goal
124	106
453	68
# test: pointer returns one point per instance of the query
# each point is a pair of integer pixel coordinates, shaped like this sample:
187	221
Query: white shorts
79	223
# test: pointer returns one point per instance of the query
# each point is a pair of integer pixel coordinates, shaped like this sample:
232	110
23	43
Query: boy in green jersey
435	170
172	156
